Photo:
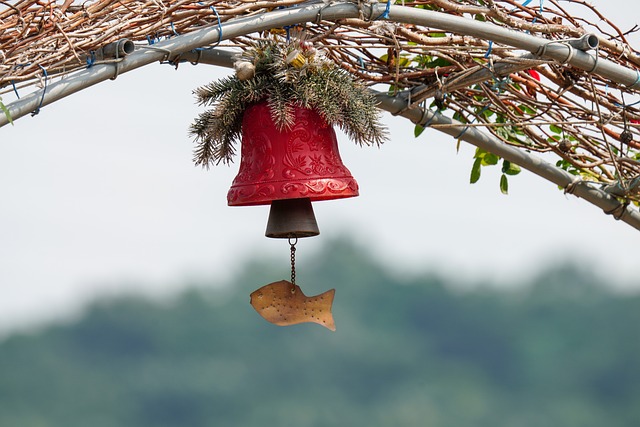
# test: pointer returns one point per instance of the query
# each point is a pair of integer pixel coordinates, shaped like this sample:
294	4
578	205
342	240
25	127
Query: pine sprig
286	75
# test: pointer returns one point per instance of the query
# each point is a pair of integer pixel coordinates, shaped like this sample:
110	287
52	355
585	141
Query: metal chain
293	243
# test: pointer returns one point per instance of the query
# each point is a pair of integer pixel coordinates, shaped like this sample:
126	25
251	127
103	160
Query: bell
291	218
289	169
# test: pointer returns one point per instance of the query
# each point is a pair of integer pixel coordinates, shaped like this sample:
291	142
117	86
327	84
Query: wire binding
385	14
44	91
571	187
619	211
15	89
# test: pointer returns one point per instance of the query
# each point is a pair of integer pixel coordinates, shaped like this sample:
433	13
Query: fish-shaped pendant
284	304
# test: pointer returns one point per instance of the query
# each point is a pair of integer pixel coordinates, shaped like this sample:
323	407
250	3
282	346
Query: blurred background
560	349
125	281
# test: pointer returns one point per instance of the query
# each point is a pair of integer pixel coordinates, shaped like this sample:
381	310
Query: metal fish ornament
283	303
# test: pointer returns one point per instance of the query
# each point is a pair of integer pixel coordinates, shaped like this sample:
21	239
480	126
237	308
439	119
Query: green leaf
438	62
504	184
554	138
510	168
404	61
475	170
488	113
422	60
417	131
490	159
6	111
555	129
459	117
527	109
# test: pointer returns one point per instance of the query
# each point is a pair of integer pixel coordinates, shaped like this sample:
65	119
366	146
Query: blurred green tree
558	350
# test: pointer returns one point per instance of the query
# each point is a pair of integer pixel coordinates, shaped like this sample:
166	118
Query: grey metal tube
583	189
118	49
557	50
169	49
218	57
586	42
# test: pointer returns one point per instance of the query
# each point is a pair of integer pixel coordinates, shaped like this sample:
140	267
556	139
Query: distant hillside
562	352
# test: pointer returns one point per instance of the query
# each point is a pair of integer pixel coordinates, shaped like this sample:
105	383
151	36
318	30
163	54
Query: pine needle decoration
285	74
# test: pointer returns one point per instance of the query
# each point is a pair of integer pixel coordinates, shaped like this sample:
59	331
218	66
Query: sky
99	197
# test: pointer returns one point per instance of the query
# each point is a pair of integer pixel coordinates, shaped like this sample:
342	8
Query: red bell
301	162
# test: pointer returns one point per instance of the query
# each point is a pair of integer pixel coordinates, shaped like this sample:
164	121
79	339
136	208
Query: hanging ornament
244	70
283	303
289	169
283	103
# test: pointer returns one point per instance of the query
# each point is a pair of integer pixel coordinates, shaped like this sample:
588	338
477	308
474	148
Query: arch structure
552	88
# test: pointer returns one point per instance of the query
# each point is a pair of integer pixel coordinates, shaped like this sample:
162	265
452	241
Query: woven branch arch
511	77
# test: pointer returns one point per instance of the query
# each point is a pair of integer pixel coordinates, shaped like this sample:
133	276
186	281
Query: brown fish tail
327	317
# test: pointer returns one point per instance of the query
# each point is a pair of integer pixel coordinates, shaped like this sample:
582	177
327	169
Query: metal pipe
586	42
218	57
482	74
609	204
112	51
118	49
170	49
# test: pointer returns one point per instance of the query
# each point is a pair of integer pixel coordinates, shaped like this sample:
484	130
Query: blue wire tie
466	128
219	27
91	59
617	104
428	122
173	28
15	89
44	90
535	18
287	28
387	9
486	55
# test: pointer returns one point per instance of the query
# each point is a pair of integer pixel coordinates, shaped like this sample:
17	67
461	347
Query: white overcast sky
99	196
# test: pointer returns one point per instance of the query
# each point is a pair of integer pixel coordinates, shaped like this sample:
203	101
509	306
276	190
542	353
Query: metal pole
562	52
170	49
572	184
